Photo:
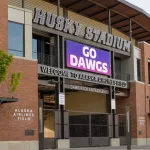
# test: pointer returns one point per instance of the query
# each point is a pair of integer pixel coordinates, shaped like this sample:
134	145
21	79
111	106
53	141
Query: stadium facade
83	63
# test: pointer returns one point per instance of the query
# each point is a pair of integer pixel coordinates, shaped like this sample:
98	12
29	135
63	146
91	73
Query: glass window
15	39
149	71
36	46
45	49
117	68
117	64
138	70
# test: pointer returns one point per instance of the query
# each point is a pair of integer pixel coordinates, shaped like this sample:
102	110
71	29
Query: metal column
60	80
58	40
109	23
22	3
112	88
130	32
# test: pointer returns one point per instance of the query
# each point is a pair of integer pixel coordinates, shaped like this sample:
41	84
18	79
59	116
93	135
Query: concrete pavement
146	147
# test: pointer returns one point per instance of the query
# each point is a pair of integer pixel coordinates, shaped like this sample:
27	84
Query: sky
144	4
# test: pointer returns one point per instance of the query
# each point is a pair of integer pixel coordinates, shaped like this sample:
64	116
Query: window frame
119	60
41	37
33	52
118	73
23	38
139	76
148	72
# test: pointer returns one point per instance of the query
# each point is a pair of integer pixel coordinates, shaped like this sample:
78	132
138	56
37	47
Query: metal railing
82	124
122	125
49	60
122	76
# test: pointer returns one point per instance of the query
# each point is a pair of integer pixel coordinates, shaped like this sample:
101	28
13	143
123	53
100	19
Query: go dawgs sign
72	27
83	57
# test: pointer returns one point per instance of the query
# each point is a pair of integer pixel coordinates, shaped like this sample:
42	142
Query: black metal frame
23	4
88	133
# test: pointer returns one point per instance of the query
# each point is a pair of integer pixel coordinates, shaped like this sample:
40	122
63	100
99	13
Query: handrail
122	76
49	60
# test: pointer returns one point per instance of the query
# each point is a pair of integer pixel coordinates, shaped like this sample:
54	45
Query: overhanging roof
121	12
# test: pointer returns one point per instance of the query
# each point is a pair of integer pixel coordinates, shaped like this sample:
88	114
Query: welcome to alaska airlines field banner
84	57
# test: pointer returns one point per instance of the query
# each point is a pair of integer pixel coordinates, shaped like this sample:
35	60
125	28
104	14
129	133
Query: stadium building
82	63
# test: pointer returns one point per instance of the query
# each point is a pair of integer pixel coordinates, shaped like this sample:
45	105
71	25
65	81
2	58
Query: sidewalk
146	147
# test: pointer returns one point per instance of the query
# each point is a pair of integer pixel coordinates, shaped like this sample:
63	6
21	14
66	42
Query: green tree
5	61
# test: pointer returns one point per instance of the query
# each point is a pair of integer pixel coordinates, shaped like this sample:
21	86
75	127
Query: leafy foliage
15	80
5	61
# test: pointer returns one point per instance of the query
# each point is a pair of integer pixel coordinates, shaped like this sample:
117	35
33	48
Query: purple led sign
83	57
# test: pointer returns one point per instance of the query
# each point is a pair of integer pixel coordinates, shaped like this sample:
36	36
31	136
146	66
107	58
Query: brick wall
121	107
3	24
12	129
138	99
145	54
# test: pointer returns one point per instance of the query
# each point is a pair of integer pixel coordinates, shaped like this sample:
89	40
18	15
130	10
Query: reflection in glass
45	49
15	53
34	48
15	38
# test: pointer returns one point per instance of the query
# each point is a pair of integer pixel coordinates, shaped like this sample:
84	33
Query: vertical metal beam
58	51
130	32
23	4
65	13
109	24
112	88
58	40
62	89
113	93
58	7
59	80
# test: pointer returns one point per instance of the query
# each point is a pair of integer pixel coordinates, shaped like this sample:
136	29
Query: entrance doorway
89	123
122	128
88	129
49	129
47	97
86	119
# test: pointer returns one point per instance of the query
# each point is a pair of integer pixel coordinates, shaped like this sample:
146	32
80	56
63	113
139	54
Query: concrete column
28	34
